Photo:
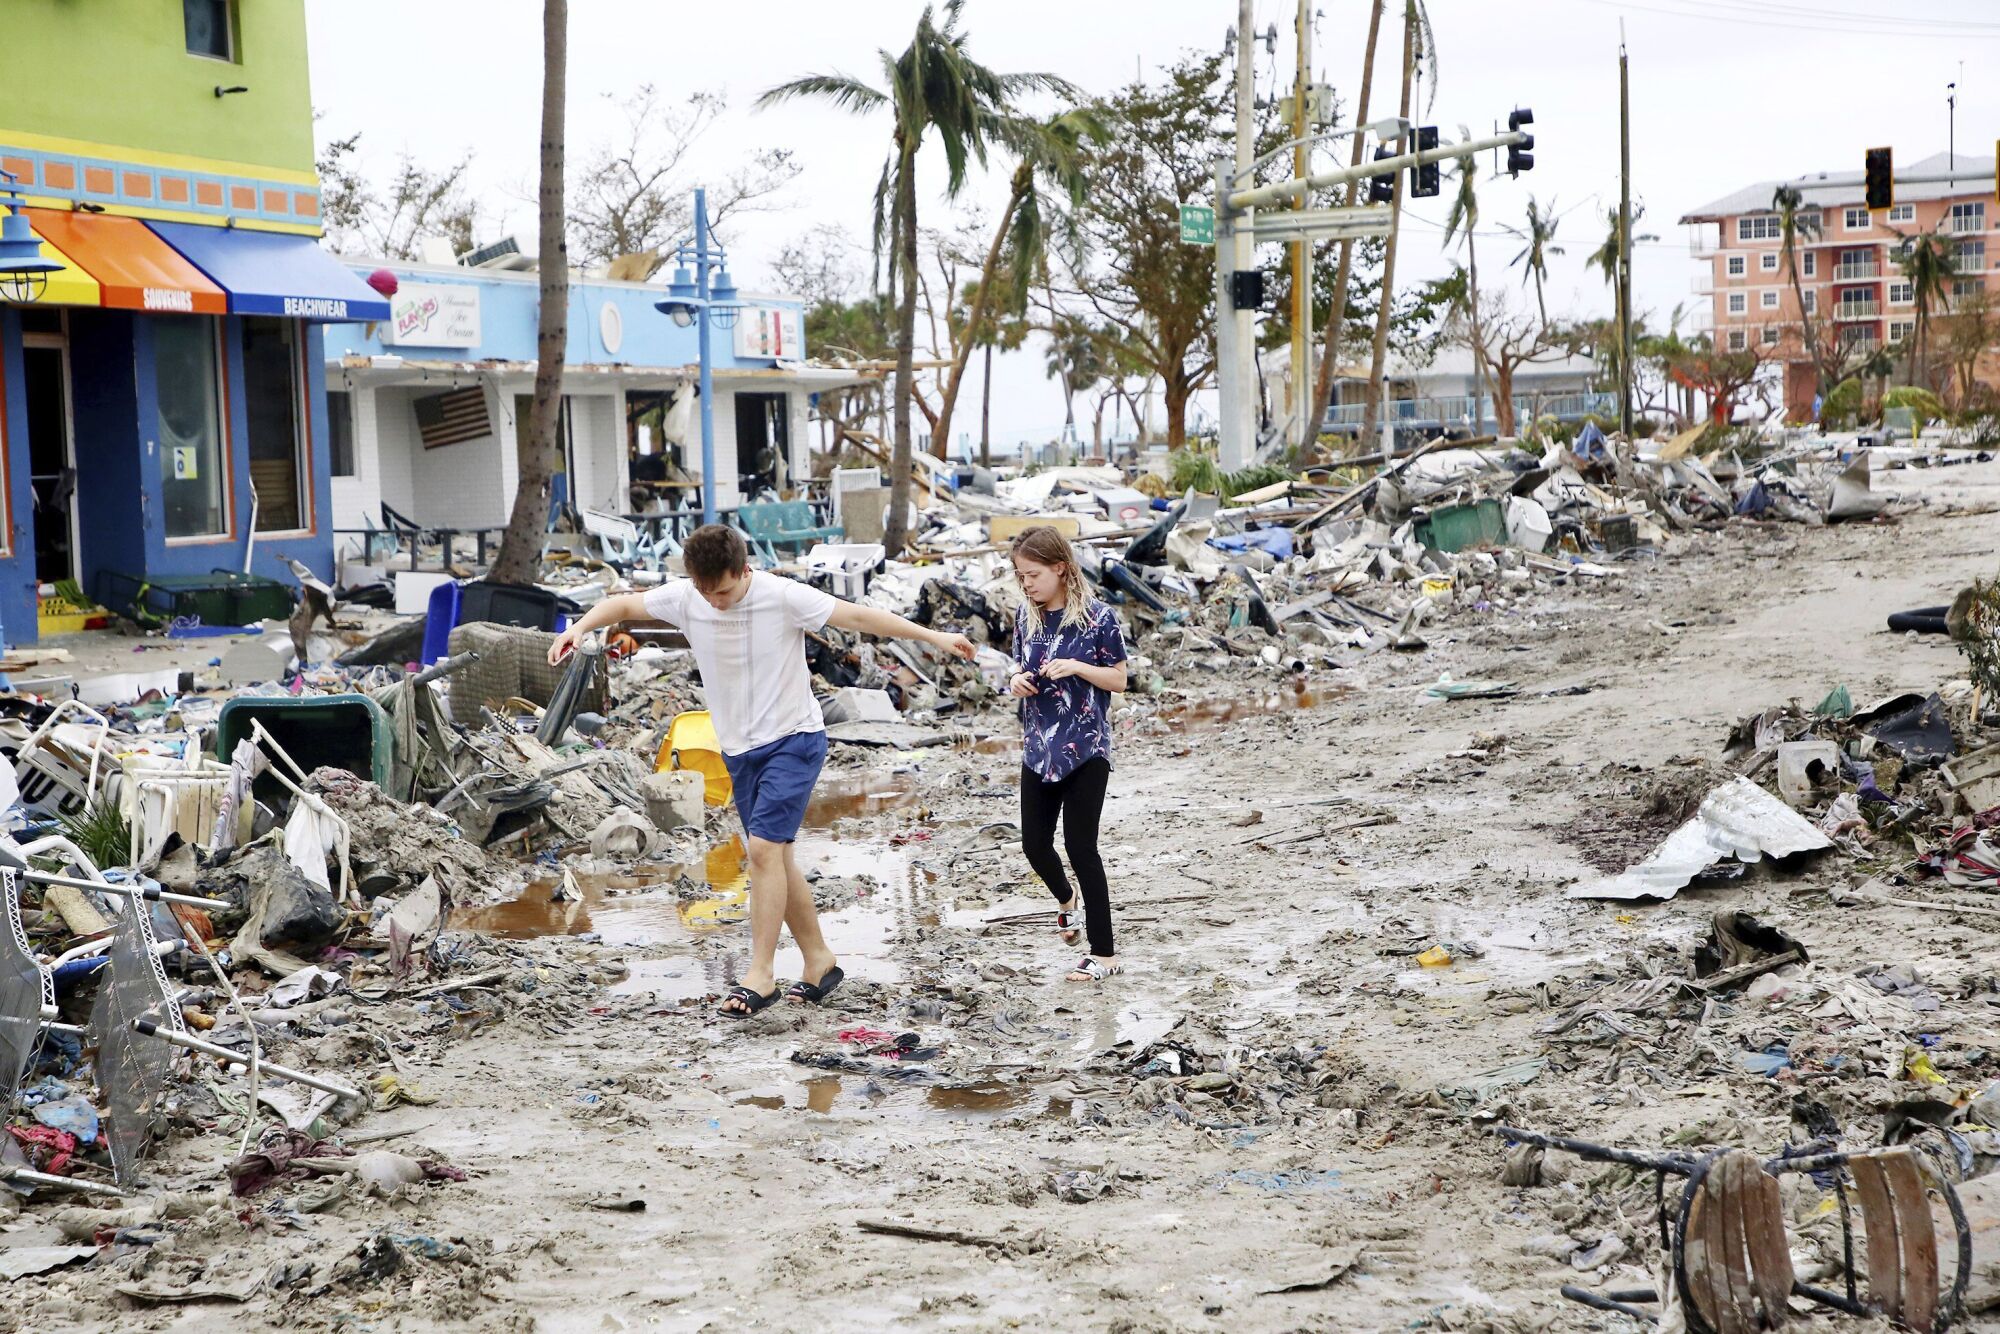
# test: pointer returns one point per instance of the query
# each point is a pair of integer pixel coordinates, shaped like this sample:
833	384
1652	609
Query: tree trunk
1503	398
986	411
1376	386
520	556
1023	178
1336	317
1174	395
896	524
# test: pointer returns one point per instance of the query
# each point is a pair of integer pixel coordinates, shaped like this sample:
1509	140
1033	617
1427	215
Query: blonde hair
1045	546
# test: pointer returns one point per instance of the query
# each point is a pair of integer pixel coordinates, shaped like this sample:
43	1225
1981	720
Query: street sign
1322	223
1197	224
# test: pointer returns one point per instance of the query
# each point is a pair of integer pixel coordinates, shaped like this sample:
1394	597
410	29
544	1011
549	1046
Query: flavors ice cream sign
433	315
769	333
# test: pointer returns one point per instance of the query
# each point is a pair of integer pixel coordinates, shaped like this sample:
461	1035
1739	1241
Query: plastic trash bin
455	604
318	731
692	744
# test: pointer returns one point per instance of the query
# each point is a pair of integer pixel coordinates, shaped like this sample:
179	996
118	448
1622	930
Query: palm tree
1607	259
1052	155
1929	263
934	85
1076	358
1539	237
1464	216
520	554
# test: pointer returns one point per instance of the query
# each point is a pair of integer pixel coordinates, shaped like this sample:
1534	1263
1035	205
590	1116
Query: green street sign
1197	224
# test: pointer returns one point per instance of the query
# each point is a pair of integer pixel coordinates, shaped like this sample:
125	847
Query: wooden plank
1918	1235
1727	1182
1878	1224
1004	528
1770	1251
1700	1258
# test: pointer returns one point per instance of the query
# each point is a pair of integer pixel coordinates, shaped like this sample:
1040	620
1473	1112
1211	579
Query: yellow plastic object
692	744
1437	956
1917	1068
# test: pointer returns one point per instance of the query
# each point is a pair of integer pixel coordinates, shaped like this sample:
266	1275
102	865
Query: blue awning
275	273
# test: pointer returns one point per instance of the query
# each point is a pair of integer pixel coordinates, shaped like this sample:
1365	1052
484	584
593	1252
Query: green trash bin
1456	527
318	731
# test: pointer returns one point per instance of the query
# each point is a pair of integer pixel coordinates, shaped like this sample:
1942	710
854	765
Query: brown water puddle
1205	713
825	1094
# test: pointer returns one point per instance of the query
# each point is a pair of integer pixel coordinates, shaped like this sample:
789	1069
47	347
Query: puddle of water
977	1099
1202	713
642	908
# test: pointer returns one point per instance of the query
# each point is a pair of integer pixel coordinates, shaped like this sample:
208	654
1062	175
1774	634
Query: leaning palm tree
934	85
1539	242
1051	156
1463	217
1929	263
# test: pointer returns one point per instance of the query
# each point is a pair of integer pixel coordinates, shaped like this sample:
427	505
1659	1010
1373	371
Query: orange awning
133	266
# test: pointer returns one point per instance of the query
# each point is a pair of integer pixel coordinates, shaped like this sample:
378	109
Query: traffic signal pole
1624	243
1302	429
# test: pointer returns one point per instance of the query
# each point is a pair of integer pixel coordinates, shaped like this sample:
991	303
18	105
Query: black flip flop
812	993
754	1000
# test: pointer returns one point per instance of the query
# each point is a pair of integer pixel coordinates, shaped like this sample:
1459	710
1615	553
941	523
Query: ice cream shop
162	293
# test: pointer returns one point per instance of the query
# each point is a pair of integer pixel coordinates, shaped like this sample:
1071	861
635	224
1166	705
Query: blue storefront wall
509	303
121	515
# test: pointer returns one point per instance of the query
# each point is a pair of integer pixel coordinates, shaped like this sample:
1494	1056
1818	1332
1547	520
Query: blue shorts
774	782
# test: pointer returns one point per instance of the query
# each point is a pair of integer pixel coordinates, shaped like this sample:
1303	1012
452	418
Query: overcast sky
1724	93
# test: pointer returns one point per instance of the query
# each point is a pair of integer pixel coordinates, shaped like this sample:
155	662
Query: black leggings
1079	799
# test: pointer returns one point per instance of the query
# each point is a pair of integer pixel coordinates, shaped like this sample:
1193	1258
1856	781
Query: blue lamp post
24	270
695	298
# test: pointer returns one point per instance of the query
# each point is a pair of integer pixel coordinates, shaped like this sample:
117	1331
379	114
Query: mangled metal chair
1730	1255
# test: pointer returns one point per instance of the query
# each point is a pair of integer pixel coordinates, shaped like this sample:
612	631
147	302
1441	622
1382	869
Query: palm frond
844	91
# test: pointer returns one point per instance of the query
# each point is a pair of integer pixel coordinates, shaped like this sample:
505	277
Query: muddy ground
1268	1121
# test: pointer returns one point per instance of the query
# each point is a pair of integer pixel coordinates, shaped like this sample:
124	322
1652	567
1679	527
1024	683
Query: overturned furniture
1730	1256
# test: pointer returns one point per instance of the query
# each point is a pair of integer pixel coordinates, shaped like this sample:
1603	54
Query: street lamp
695	299
24	270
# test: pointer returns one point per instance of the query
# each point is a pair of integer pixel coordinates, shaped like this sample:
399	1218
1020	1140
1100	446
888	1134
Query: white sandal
1093	970
1066	926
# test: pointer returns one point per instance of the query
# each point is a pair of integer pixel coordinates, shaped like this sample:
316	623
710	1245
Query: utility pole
1302	389
1377	387
1236	329
1624	240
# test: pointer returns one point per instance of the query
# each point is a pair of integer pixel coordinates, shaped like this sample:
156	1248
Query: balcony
1858	310
1704	240
1704	284
1960	224
1853	271
1866	347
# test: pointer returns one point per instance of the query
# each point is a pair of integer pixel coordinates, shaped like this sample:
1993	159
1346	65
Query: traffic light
1246	289
1424	178
1382	189
1880	176
1521	156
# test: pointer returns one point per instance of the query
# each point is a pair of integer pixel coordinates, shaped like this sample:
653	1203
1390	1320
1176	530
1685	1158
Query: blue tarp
1277	541
275	273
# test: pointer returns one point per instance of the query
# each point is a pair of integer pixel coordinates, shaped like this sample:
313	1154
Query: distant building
1848	272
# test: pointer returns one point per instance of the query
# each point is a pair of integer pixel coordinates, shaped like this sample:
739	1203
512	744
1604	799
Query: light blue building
425	408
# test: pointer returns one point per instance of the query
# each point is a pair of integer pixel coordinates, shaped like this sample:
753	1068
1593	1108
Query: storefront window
190	425
271	392
340	431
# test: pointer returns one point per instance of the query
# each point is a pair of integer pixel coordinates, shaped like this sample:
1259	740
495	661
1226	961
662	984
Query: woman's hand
1055	669
1021	685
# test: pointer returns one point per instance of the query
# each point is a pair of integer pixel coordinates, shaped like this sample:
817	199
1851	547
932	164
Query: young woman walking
1069	656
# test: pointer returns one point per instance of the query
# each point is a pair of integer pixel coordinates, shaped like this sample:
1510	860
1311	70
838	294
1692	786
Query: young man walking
747	629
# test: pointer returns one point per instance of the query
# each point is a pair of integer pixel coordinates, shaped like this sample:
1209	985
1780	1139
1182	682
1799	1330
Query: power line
1862	25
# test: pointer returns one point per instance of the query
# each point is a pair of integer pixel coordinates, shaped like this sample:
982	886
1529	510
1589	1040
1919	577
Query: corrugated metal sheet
1738	819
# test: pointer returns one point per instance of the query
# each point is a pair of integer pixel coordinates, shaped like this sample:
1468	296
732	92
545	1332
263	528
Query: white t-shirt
752	656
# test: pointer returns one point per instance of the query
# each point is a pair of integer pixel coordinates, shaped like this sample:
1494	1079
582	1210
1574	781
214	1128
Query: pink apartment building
1847	271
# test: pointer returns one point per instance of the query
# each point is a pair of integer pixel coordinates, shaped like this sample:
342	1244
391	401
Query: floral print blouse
1067	722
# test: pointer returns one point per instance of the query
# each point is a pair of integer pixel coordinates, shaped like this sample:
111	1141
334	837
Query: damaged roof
1832	189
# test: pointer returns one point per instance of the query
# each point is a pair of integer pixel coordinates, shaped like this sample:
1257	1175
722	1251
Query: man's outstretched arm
606	611
887	625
